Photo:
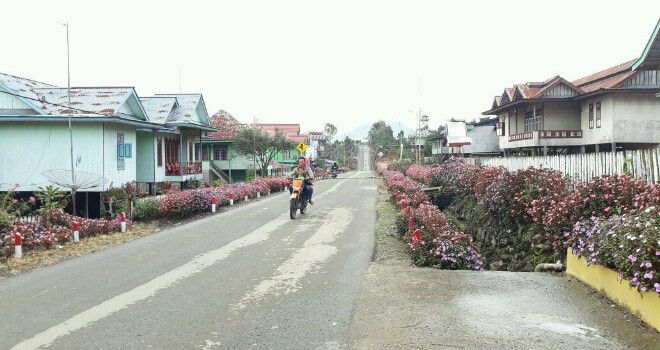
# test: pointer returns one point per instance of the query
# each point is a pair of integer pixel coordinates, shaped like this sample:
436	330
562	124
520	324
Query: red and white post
122	221
76	232
18	245
214	202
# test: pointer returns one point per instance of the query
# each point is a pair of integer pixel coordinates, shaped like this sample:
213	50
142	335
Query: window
591	116
124	150
286	154
532	121
220	152
159	152
598	114
171	150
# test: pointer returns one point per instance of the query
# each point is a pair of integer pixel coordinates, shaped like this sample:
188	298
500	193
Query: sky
347	63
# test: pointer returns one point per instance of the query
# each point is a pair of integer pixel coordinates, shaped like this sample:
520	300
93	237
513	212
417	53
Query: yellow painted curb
645	305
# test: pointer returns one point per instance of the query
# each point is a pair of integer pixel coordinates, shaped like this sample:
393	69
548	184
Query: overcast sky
311	62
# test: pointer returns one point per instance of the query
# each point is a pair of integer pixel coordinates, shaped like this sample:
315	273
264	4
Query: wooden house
613	109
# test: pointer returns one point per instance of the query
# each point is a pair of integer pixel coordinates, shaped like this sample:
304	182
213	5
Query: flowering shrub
441	245
176	204
456	177
629	244
454	250
420	173
604	196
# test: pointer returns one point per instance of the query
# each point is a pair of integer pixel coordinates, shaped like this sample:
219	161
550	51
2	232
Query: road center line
314	251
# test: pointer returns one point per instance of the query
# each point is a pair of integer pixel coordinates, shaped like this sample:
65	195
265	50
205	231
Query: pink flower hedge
55	228
440	244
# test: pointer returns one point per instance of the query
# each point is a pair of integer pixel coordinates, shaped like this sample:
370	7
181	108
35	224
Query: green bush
146	208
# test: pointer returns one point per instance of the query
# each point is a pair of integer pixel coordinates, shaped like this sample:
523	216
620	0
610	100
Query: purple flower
648	264
632	258
657	287
32	199
648	275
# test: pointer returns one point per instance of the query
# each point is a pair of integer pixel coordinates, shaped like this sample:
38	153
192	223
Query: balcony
553	138
183	168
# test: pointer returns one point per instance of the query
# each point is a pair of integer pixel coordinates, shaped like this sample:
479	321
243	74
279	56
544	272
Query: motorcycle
297	200
334	173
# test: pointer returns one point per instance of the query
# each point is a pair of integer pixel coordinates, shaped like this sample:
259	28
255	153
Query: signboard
380	154
302	147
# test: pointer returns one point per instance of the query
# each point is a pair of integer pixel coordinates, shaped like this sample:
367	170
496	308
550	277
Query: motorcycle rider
308	174
334	170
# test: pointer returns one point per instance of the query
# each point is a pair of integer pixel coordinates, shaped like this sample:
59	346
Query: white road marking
314	251
150	288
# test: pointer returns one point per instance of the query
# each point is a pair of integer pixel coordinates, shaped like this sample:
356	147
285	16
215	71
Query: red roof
228	126
292	131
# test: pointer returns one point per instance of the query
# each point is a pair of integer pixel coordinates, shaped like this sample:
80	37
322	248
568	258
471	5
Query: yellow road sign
302	147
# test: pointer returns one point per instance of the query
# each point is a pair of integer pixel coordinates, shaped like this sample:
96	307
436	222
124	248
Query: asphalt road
247	278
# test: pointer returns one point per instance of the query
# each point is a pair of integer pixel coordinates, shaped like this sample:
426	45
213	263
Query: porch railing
182	168
547	134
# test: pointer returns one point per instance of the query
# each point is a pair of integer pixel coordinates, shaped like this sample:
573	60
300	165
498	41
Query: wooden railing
182	168
522	136
560	134
547	134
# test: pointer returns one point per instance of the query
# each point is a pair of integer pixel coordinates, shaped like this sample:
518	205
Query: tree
263	147
330	130
381	135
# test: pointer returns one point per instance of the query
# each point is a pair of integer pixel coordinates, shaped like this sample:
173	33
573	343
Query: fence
641	164
31	218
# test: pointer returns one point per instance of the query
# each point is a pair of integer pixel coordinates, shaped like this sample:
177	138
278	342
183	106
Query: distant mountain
362	131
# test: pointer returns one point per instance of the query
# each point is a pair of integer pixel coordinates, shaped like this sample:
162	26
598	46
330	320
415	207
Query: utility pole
254	147
68	92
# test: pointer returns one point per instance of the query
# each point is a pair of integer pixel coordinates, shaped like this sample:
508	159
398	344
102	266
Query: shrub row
533	214
440	243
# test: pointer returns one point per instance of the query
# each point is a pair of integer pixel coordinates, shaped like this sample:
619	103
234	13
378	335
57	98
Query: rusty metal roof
159	109
604	74
187	104
24	87
84	100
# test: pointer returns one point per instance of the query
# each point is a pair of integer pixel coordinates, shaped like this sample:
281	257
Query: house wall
636	117
146	157
484	140
595	135
561	116
115	176
32	147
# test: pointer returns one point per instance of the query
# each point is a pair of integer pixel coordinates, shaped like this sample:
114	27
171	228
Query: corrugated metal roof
158	108
608	83
24	87
187	104
604	74
84	100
